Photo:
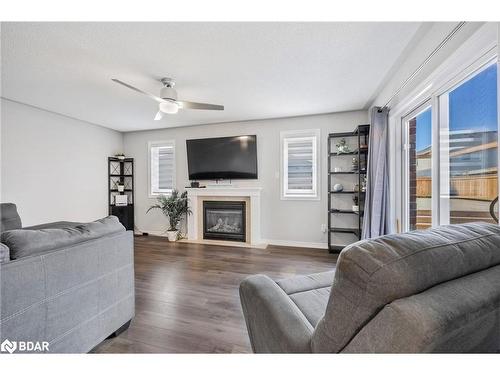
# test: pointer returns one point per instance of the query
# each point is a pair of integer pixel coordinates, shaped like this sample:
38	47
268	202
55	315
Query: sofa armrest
275	324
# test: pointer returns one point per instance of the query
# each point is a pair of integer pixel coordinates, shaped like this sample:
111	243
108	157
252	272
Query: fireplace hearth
224	220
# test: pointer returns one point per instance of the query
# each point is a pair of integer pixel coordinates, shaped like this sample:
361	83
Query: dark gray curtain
376	202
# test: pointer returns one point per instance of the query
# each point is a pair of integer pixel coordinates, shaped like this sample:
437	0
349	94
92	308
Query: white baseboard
313	245
160	233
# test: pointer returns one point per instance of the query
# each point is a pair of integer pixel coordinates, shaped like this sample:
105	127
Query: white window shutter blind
162	168
300	155
300	164
166	168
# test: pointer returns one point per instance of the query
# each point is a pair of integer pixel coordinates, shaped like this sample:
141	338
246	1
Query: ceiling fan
167	100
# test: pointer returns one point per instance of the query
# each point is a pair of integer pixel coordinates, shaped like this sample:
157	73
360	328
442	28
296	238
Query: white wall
54	167
429	36
293	222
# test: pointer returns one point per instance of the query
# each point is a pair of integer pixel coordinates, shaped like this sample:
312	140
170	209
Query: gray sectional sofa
68	284
425	291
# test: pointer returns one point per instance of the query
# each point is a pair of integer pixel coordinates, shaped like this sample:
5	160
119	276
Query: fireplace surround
251	196
224	220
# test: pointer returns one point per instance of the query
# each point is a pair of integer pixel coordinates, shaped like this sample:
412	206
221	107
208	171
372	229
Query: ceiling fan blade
159	115
193	105
154	97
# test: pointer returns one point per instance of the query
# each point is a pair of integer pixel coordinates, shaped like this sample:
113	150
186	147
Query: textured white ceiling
256	70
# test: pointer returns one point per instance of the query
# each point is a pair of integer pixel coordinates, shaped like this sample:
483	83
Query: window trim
300	134
166	143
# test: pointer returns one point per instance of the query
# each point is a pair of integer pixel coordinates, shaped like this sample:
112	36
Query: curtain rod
426	61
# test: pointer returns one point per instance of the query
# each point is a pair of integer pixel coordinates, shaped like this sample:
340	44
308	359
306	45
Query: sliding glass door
450	175
469	149
418	157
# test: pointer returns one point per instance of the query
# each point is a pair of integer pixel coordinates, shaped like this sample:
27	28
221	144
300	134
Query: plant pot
355	208
121	157
172	235
121	188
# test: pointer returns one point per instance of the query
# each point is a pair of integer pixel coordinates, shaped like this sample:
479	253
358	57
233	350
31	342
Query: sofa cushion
309	293
373	273
9	218
25	242
312	303
4	253
303	283
55	225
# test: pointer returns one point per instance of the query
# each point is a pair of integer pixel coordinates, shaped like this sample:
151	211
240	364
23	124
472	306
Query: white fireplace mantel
251	193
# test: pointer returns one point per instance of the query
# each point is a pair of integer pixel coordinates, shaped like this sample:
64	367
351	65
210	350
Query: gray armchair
425	291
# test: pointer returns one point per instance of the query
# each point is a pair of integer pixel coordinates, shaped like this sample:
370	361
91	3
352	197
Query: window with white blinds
300	164
161	167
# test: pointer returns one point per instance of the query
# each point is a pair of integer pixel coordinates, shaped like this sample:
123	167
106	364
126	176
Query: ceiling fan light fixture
167	100
168	92
169	107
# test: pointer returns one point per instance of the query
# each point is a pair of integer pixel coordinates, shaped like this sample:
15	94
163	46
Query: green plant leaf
174	207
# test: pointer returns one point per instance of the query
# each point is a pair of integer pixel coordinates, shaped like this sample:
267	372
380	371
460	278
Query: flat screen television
222	158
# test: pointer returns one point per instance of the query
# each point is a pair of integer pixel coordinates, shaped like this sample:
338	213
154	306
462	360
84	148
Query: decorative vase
342	147
355	164
355	206
172	235
338	188
362	165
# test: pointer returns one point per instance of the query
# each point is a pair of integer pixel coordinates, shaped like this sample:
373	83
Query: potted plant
173	207
120	156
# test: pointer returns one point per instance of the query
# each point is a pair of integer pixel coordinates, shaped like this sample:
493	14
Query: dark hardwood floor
187	294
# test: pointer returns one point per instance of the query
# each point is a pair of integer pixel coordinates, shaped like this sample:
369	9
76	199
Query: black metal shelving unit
121	171
361	133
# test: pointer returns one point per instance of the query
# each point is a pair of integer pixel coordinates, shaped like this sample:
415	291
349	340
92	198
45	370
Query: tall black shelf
361	134
121	172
